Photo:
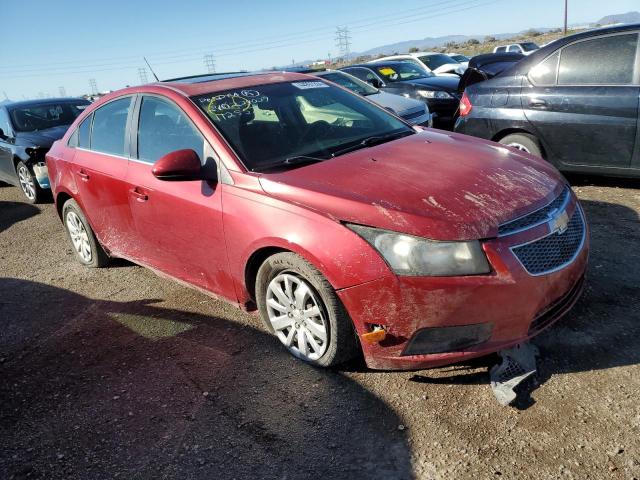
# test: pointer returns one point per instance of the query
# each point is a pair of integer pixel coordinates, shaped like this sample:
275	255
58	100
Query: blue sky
50	44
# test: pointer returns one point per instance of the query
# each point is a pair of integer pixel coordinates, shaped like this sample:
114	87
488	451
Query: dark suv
573	102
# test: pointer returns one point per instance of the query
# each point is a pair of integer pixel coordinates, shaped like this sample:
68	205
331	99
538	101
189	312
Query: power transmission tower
210	63
343	41
62	91
94	86
566	9
142	73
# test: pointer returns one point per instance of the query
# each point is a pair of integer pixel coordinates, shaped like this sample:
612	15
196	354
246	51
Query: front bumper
515	304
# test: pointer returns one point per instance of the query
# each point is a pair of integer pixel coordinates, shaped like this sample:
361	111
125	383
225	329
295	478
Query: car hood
396	103
448	84
41	138
437	185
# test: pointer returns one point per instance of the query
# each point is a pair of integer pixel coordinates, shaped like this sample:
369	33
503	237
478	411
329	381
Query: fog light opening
376	334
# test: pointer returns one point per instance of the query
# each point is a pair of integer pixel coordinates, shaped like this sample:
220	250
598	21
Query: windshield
347	81
460	58
402	71
436	61
529	46
268	124
32	118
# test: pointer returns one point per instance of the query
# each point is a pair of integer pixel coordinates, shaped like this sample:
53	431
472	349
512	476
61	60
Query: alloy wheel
26	182
519	146
79	236
297	317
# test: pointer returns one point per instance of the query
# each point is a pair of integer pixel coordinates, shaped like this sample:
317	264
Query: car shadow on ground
99	389
602	331
14	212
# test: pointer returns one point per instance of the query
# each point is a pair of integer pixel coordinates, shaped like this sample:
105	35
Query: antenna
152	72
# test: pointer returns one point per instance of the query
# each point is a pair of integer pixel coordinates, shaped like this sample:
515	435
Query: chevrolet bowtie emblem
559	223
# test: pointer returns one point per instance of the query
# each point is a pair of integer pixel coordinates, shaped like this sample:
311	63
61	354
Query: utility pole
94	86
62	91
210	63
343	41
5	95
566	8
142	73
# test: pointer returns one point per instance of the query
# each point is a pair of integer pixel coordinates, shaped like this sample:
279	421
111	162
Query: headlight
439	94
415	256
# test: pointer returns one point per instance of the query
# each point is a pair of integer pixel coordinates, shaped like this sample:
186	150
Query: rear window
436	61
600	61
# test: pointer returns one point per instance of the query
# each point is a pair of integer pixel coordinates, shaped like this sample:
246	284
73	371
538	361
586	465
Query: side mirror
374	82
181	165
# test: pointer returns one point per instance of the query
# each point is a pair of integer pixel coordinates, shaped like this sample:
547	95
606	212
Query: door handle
83	175
140	196
537	103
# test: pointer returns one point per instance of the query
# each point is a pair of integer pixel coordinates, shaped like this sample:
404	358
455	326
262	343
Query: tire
523	142
298	319
86	247
28	184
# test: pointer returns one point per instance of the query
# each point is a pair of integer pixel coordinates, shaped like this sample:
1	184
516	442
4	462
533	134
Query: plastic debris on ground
518	364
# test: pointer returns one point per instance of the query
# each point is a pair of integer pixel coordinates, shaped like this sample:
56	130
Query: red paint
465	105
178	165
433	184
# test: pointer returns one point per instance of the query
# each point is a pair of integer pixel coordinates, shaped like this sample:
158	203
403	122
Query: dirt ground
117	373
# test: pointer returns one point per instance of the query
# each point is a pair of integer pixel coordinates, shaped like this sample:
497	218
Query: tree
473	41
490	39
414	49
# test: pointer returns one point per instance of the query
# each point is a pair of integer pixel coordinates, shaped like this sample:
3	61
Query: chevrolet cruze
347	229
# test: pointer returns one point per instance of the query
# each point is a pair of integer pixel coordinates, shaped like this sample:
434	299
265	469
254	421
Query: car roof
210	83
41	101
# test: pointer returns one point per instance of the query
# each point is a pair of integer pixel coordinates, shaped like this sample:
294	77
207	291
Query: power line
142	73
94	86
210	63
343	41
290	38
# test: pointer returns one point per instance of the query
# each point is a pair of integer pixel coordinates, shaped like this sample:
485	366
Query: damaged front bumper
434	321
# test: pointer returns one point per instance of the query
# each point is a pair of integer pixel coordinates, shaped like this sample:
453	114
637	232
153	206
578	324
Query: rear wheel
29	184
85	244
299	306
523	142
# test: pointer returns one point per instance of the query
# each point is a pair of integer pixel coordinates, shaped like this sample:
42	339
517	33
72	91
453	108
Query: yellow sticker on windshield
387	71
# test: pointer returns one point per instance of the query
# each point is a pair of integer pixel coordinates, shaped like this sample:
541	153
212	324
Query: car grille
535	218
554	251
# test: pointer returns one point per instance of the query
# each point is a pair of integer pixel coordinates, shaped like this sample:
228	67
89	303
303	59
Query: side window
110	126
546	71
4	122
515	48
84	133
73	139
601	61
163	128
360	73
501	49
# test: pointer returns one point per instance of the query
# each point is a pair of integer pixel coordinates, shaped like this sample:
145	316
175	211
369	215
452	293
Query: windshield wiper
371	141
300	159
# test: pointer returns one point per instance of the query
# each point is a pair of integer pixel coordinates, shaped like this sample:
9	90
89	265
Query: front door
100	169
583	101
179	223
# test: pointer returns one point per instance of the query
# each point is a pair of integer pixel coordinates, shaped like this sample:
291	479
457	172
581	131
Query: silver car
412	111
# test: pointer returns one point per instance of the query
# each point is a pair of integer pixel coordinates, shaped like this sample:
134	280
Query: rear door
100	168
178	223
583	101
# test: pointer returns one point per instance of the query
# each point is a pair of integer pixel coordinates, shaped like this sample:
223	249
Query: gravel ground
117	373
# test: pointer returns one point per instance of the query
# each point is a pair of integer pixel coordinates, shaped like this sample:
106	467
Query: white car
433	62
461	59
525	48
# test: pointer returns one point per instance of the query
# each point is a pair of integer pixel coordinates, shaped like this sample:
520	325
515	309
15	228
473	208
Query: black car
573	102
409	80
27	130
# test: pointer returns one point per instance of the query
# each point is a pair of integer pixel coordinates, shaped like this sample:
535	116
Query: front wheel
85	244
28	184
299	306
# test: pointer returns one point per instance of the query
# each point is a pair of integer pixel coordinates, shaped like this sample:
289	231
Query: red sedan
346	228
